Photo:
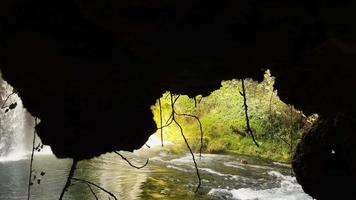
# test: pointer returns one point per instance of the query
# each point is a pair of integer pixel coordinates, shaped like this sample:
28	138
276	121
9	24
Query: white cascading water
16	125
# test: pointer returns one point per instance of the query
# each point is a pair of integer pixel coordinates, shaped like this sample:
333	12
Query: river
167	176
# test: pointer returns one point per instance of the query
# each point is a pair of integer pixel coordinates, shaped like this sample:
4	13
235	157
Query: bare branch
70	177
200	127
193	157
124	158
168	122
186	141
248	128
91	190
161	119
7	98
93	184
31	162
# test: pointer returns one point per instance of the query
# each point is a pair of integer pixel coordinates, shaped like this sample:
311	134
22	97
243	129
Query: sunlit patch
155	141
221	122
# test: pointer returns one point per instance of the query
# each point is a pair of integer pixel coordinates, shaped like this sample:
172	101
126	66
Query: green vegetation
276	125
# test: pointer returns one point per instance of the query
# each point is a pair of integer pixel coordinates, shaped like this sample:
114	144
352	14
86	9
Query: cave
91	69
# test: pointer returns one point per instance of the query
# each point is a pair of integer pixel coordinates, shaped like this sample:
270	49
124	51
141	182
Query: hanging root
173	101
95	185
31	162
248	127
89	184
7	98
125	159
191	152
172	119
161	119
92	191
200	127
70	177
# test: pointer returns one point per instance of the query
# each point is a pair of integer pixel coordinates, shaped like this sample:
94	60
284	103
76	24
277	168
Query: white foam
210	171
281	176
282	164
227	176
244	166
289	190
187	159
234	165
177	168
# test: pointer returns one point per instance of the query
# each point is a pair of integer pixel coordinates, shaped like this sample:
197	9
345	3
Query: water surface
224	177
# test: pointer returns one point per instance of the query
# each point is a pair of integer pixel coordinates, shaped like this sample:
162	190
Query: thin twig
93	184
200	127
200	99
92	191
193	157
284	140
124	158
186	141
169	118
7	98
70	177
31	162
168	123
161	119
248	128
291	134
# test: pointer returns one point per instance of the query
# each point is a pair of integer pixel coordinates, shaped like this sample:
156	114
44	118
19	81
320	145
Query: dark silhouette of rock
324	162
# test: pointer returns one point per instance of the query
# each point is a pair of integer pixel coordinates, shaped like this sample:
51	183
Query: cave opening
230	164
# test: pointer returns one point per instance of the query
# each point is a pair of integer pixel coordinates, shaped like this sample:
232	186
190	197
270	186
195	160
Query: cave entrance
230	164
217	123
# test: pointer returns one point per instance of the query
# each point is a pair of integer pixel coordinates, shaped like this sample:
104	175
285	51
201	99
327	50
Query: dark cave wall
325	162
89	63
91	69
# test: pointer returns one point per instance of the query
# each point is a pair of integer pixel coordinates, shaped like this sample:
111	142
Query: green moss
275	124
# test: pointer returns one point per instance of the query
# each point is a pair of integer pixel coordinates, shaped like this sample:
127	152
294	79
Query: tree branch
93	184
248	128
7	98
161	119
186	141
70	177
31	162
200	127
92	191
124	158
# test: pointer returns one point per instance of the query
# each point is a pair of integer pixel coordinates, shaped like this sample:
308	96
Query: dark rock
325	159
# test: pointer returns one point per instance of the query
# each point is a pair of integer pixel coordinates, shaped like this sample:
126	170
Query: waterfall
16	125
